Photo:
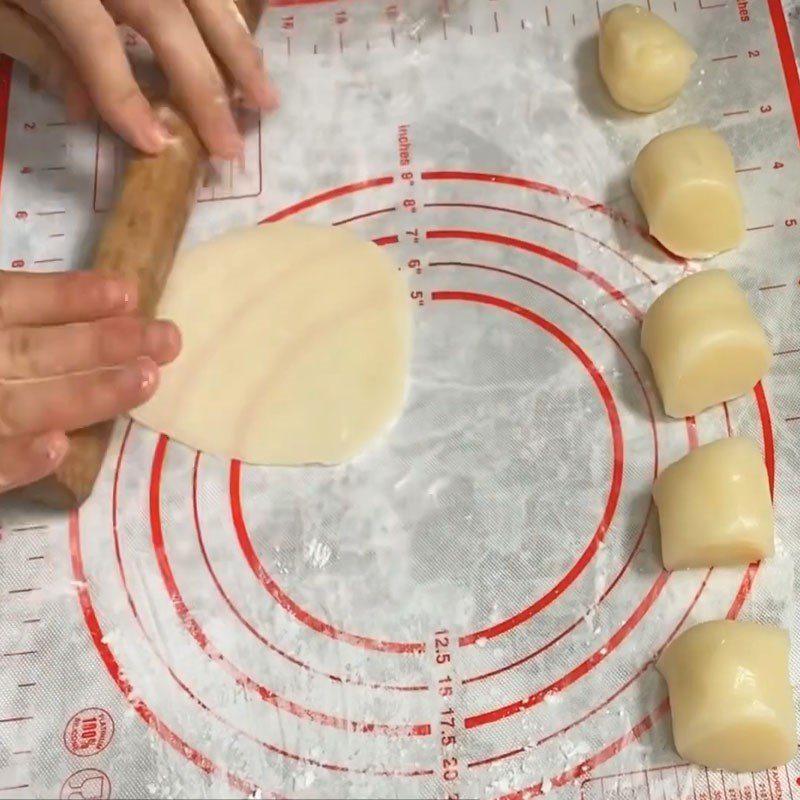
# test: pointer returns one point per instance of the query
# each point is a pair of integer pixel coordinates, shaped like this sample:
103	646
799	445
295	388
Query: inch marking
24	591
725	58
12	653
15	719
760	228
26	685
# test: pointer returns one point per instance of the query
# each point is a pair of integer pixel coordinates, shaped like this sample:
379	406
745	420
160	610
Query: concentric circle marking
610	750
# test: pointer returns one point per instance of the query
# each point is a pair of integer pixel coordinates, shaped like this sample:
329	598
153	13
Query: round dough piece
714	507
730	696
295	346
685	182
644	61
704	344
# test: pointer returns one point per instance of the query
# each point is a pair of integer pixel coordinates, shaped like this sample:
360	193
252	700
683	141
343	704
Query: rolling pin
138	242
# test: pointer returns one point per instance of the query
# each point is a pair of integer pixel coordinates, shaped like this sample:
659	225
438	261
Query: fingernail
232	147
266	94
162	341
51	446
119	294
155	137
147	375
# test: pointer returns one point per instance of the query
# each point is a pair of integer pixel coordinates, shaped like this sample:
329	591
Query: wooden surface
139	242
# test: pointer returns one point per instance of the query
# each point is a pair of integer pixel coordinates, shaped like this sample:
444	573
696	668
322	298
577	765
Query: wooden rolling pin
138	242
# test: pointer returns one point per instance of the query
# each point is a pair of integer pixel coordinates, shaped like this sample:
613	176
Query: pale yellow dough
644	61
295	346
704	344
714	507
731	699
685	182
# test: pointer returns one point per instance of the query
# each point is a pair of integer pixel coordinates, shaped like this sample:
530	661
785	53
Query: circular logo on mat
89	732
86	784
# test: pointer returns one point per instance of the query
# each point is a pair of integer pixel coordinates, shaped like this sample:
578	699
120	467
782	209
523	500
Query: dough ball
644	62
295	346
685	181
704	345
731	699
714	507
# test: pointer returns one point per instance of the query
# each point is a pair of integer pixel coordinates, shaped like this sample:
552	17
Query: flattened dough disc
295	346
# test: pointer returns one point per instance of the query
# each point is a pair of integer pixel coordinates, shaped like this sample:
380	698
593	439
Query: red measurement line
331	194
15	719
20	653
194	628
491	759
760	228
786	50
487	717
364	216
24	591
548	221
118	676
735	113
544	252
49	261
382	241
772	286
724	58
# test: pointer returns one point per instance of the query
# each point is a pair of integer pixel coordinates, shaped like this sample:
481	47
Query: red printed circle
86	784
89	732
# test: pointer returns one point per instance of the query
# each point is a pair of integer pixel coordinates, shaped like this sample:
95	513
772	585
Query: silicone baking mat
472	607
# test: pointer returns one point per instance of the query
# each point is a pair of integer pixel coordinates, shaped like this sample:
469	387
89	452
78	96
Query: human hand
72	353
74	48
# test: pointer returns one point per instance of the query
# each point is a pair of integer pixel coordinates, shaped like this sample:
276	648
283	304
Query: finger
89	36
58	350
28	41
60	297
194	79
74	401
227	35
27	459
